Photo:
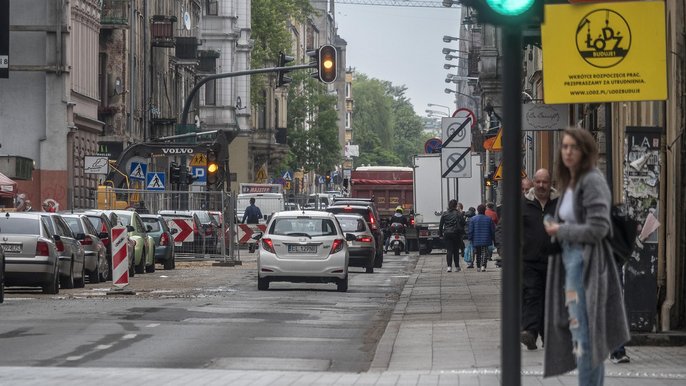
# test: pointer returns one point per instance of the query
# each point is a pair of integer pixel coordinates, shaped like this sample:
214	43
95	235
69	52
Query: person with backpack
481	235
451	229
252	213
585	319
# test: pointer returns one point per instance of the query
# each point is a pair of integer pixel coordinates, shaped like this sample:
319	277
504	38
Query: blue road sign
433	145
138	170
155	181
200	174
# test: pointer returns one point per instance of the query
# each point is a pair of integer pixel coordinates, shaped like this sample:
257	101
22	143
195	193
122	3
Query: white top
567	207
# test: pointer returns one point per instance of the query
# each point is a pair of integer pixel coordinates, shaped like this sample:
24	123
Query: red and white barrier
184	230
245	232
120	258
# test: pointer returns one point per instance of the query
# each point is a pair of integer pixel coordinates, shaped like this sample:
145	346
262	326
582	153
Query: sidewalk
445	330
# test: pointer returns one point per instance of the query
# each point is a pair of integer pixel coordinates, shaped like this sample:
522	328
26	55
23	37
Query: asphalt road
204	316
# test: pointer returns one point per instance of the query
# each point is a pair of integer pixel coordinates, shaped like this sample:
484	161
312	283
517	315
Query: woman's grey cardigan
608	326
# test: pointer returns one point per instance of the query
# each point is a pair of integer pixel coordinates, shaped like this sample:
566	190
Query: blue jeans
575	300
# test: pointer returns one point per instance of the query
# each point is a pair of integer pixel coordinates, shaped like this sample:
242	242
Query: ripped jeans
575	300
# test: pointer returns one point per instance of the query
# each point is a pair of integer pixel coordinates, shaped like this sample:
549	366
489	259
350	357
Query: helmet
399	209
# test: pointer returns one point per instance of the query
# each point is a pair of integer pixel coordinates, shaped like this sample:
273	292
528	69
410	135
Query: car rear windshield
351	224
97	223
154	224
303	226
19	226
204	217
74	224
347	209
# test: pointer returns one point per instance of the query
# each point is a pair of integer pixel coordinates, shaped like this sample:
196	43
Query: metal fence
207	240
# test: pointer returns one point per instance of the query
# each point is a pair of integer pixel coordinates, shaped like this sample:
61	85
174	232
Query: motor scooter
397	238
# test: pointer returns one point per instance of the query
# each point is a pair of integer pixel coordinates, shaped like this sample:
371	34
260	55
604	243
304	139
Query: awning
8	188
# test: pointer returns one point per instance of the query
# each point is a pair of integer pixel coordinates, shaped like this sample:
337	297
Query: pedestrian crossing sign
138	171
155	181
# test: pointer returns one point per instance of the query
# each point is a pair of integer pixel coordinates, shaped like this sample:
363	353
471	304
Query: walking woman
451	229
481	235
584	309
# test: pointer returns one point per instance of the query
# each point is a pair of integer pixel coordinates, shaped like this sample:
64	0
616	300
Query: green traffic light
510	7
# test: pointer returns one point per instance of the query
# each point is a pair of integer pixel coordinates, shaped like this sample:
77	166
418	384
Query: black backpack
624	231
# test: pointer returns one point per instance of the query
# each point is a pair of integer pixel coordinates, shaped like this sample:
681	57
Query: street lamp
451	57
447	51
436	112
457	78
449	39
474	100
437	105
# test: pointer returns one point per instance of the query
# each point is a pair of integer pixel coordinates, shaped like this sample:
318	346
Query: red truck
390	186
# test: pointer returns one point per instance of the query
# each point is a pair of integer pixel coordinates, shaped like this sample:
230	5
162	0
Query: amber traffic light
327	63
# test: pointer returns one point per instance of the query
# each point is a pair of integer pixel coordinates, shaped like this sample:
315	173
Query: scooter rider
396	218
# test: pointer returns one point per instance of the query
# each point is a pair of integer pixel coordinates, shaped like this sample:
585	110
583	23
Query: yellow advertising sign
604	52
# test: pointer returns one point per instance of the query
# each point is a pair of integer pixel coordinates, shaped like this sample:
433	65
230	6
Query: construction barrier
120	258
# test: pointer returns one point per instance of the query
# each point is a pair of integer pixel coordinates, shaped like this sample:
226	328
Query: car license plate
12	248
302	249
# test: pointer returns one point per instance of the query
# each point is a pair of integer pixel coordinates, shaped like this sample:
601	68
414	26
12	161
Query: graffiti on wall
642	170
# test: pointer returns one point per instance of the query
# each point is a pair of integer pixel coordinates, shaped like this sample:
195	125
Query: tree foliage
384	123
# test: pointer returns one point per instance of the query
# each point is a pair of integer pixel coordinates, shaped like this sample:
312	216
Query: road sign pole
512	165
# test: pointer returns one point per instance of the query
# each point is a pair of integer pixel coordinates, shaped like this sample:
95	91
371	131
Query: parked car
144	250
72	255
303	246
103	224
31	256
97	264
362	250
164	239
196	241
372	220
2	276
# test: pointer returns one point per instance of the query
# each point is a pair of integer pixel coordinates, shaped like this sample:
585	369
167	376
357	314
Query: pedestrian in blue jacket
481	234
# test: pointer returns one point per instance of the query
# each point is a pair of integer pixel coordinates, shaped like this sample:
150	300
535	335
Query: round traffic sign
451	160
464	113
433	145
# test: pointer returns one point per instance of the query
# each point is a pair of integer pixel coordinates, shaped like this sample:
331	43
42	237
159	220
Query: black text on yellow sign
604	52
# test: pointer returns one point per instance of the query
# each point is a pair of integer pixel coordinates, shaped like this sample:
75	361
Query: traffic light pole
510	355
201	82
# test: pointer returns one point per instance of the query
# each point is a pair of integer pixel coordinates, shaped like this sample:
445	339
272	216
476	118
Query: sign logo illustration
603	38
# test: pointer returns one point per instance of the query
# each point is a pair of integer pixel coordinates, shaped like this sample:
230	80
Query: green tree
270	22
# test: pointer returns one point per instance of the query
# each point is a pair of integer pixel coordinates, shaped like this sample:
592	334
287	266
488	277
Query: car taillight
268	245
164	239
364	239
86	241
42	249
337	245
372	220
60	245
411	221
105	241
195	229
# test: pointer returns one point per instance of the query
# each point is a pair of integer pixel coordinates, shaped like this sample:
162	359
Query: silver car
97	264
72	257
303	246
31	257
362	250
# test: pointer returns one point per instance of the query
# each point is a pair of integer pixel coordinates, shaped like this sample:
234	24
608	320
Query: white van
318	201
269	203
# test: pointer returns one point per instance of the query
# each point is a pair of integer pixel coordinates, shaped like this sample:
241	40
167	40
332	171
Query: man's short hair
481	209
252	200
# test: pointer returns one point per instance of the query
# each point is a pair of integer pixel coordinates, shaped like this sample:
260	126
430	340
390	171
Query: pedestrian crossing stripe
138	170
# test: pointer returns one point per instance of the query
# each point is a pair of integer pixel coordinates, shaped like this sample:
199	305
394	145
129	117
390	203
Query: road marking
75	358
129	336
103	346
152	325
299	339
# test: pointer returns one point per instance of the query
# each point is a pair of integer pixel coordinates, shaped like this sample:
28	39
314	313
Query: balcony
114	14
162	30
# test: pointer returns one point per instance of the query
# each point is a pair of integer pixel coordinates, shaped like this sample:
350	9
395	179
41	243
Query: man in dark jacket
451	229
537	202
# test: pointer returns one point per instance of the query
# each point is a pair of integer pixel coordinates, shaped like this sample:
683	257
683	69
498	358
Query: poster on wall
642	170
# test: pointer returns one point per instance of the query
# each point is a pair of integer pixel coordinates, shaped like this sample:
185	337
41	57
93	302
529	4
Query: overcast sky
402	45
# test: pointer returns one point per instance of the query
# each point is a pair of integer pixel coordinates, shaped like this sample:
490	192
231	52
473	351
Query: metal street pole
512	165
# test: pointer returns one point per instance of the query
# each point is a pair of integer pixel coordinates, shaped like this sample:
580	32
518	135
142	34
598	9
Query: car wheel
378	262
140	268
53	287
342	284
107	272
81	282
169	263
262	283
369	268
68	282
150	268
94	276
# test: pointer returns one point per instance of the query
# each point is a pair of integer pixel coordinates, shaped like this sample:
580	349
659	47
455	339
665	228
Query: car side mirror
173	231
129	228
256	236
103	235
80	236
148	228
56	237
350	237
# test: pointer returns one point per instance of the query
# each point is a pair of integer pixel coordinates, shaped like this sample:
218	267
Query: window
212	8
348	90
348	119
210	93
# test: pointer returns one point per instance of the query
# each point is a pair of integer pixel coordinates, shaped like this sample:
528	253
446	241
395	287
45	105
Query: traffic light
212	169
507	12
174	173
187	176
327	63
488	182
282	79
